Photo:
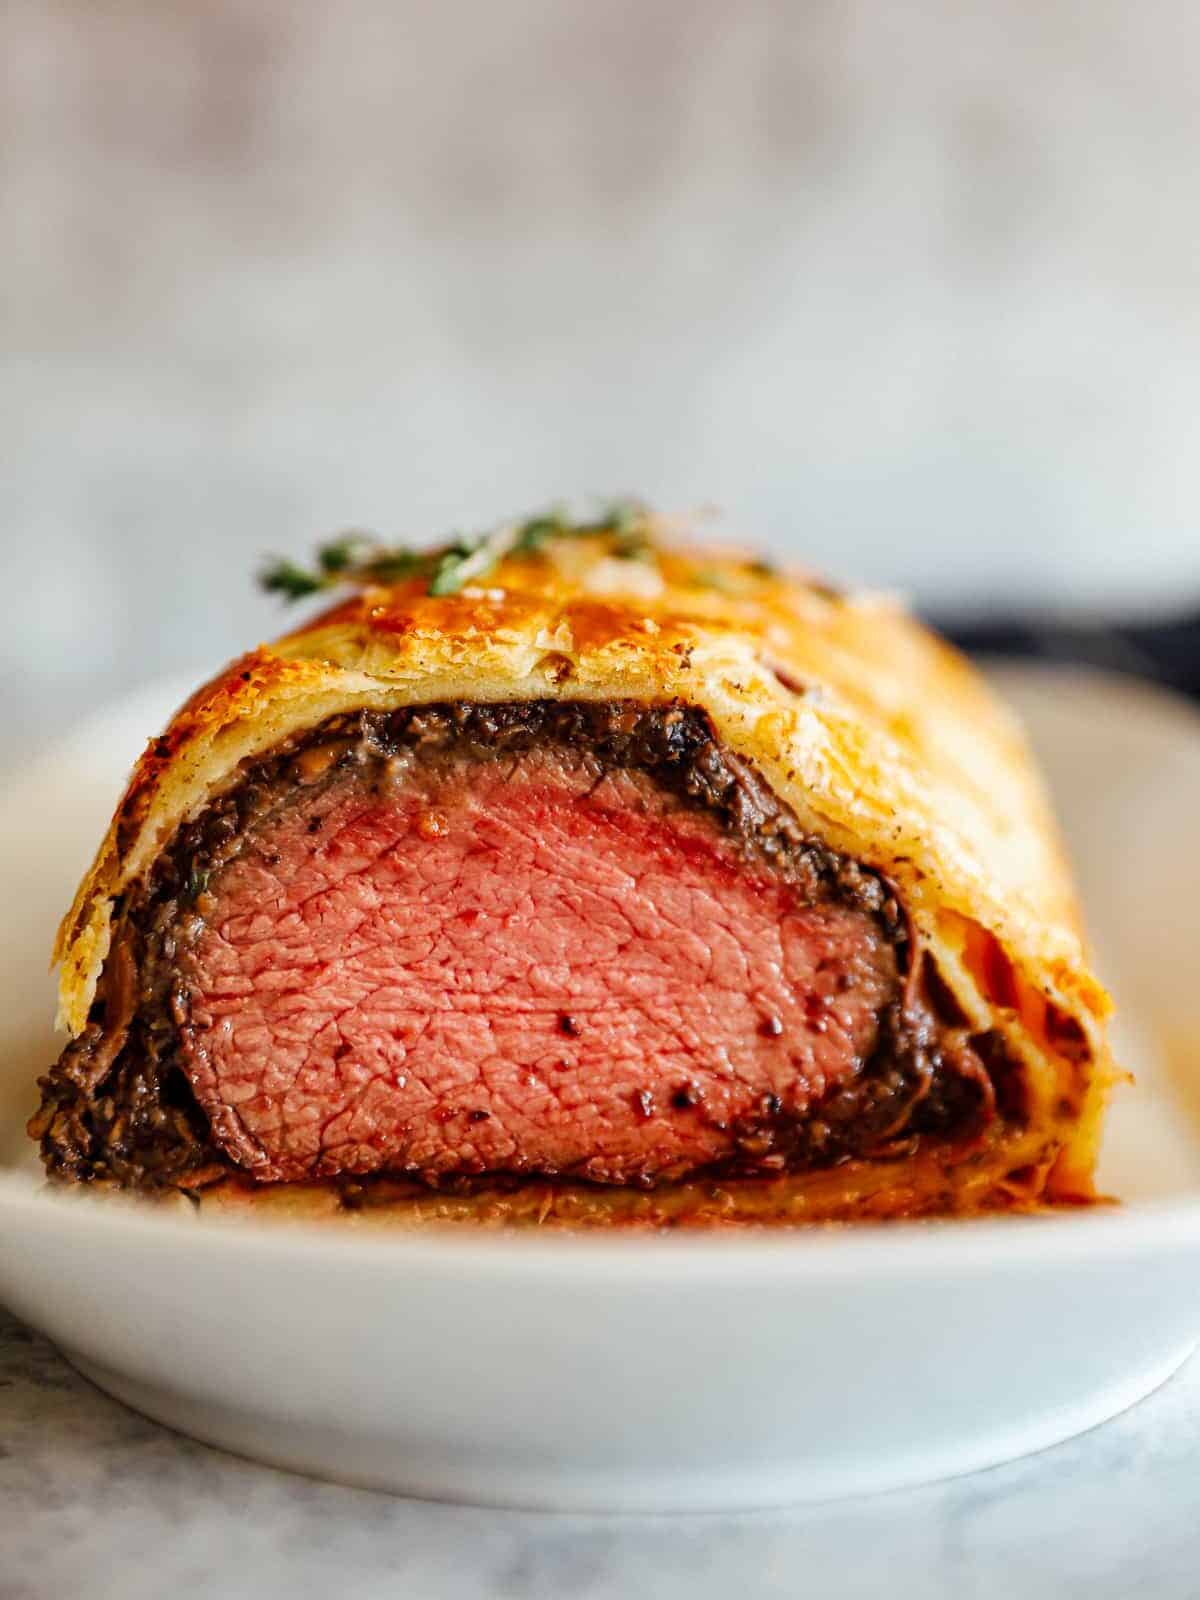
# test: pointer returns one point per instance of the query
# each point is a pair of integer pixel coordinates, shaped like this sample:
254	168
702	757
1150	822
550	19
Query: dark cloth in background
1168	653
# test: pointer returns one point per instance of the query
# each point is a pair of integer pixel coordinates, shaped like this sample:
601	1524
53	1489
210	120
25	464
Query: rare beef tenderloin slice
531	938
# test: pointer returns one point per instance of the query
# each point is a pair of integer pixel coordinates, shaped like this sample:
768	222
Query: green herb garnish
462	563
348	551
289	580
626	522
359	558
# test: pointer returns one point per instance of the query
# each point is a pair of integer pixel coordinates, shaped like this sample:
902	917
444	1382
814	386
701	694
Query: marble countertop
96	1501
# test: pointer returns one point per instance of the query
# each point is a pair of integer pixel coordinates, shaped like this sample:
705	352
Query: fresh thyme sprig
358	558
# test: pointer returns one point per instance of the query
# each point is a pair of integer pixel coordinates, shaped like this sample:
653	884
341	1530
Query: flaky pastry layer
883	740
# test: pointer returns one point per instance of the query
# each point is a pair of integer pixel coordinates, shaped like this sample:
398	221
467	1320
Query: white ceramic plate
652	1373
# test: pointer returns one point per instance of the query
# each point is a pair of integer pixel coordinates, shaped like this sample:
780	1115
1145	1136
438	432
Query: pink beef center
491	965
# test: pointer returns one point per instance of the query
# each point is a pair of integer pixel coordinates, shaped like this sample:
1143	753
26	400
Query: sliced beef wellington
568	858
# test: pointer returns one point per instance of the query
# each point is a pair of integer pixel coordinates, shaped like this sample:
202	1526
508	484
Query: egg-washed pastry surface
583	874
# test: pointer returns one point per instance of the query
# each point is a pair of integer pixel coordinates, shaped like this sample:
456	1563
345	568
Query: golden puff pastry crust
882	739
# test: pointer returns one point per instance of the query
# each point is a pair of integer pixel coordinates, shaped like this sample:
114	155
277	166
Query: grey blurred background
909	289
